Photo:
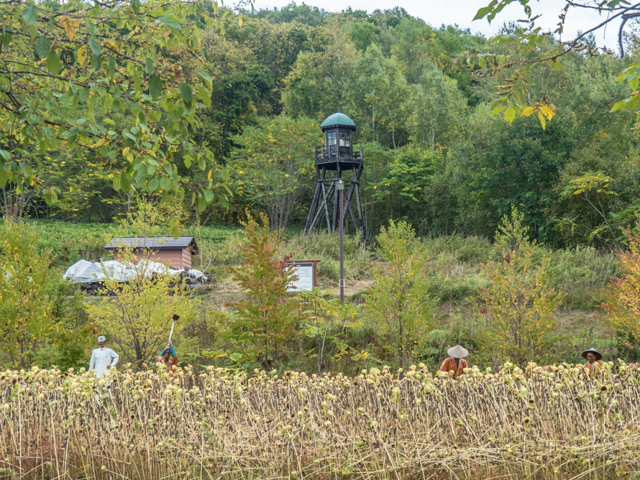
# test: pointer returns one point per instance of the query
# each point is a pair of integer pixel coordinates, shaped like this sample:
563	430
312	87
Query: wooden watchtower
334	161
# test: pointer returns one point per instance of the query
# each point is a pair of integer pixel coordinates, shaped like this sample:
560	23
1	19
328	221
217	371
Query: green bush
455	286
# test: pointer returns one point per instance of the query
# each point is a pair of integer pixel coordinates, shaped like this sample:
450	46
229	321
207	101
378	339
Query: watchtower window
332	138
345	139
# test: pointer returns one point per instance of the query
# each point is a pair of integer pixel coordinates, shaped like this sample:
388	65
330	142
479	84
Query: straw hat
594	351
458	352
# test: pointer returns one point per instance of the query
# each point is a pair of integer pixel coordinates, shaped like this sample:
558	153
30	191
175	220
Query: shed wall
186	258
172	258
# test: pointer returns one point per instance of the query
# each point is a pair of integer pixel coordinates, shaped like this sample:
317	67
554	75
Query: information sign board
307	275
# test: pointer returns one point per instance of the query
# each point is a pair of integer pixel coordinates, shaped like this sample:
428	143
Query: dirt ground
226	292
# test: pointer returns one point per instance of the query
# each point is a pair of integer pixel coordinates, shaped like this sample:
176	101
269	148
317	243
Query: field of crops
538	423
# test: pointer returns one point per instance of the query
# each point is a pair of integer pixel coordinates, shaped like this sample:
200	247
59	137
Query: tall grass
581	273
541	424
327	248
457	268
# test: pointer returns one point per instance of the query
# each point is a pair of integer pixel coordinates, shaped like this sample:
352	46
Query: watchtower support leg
314	203
358	174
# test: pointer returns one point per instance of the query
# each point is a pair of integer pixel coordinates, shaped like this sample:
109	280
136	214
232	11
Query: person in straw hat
456	362
594	361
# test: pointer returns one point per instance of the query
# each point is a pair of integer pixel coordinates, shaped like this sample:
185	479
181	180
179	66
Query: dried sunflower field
548	422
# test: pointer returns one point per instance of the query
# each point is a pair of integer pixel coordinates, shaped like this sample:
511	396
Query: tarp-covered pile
85	271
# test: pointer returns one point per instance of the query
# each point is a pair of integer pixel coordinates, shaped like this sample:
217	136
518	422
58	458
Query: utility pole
340	187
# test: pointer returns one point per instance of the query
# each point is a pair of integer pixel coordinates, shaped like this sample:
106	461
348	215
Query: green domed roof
338	120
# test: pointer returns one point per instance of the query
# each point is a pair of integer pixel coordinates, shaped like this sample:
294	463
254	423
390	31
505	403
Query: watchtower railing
335	153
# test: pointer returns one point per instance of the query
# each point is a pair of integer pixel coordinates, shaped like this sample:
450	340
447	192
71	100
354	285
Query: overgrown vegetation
518	240
223	424
406	301
38	310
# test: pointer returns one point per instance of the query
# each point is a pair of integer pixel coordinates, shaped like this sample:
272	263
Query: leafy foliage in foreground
532	47
101	82
376	425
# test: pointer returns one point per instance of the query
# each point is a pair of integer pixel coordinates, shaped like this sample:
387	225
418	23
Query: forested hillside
505	236
434	156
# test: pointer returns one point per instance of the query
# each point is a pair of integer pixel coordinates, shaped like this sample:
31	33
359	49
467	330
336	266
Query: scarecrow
102	358
594	362
456	362
169	356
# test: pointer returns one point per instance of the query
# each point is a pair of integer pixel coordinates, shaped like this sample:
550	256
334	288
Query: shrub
36	314
265	321
398	302
517	310
622	295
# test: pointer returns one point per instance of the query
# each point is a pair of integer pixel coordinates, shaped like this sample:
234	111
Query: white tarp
85	271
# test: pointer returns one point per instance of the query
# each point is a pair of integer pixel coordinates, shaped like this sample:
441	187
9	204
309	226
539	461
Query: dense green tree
242	91
499	166
362	35
292	13
410	45
437	112
379	99
319	80
276	47
605	145
272	167
400	192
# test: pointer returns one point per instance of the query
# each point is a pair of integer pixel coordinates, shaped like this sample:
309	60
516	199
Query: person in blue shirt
169	356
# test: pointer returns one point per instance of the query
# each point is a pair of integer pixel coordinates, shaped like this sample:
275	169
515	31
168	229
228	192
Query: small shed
173	252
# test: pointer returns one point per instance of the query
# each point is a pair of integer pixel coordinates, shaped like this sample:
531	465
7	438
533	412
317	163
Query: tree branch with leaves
536	48
101	80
